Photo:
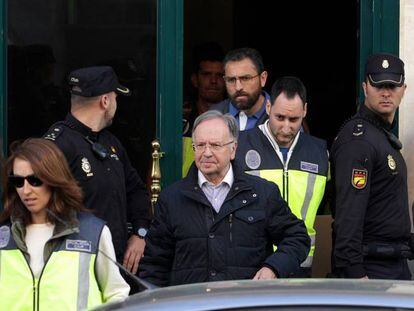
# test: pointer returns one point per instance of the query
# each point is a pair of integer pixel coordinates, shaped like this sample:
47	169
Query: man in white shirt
219	223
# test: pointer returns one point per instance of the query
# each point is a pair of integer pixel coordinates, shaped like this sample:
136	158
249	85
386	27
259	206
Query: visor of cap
377	79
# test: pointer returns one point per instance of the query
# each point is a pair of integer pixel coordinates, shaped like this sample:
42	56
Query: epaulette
359	128
54	132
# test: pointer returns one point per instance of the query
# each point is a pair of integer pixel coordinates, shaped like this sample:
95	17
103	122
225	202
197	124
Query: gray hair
227	118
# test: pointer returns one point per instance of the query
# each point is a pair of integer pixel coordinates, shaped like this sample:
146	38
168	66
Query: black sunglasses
18	181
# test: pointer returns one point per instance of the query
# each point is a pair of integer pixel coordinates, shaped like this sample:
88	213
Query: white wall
406	124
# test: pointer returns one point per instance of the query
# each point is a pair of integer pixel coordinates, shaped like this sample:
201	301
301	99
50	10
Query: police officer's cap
383	68
95	81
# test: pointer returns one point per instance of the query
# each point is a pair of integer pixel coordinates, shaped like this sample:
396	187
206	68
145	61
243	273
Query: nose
238	85
27	188
386	91
207	152
286	125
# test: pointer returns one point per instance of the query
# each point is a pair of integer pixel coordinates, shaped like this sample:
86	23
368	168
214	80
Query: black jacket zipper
231	225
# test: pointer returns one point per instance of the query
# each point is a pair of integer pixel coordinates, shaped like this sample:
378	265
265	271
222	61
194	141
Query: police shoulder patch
359	178
54	133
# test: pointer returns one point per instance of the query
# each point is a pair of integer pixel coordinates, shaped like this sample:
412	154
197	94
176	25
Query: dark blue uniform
111	186
372	223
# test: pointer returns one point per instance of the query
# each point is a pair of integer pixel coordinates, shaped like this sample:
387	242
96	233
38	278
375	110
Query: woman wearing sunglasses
53	254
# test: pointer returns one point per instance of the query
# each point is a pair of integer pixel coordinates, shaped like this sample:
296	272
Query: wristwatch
142	232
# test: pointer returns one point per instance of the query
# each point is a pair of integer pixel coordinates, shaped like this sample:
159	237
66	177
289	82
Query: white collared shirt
216	194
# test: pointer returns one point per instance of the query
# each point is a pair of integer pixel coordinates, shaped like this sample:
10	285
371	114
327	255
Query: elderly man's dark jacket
188	242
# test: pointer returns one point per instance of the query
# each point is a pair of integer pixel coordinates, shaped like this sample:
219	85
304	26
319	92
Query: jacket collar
267	133
18	230
228	178
374	118
78	126
192	189
239	176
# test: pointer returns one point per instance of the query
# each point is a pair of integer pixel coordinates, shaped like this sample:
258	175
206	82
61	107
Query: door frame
170	39
379	31
3	79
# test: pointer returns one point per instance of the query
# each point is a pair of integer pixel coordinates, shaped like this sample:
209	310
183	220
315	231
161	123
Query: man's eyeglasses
213	147
243	79
18	181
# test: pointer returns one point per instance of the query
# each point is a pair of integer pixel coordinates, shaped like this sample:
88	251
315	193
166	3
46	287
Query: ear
268	106
233	152
263	78
404	88
194	80
364	87
104	101
305	109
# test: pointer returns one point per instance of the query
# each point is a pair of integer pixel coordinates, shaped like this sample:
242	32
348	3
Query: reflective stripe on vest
67	282
303	191
188	155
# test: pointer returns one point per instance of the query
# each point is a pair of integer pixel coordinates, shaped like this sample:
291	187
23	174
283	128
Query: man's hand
265	274
133	254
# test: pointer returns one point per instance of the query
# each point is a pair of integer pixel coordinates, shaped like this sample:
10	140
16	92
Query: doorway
294	38
49	38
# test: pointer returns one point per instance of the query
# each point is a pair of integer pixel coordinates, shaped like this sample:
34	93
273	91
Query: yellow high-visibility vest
188	154
303	191
301	181
67	281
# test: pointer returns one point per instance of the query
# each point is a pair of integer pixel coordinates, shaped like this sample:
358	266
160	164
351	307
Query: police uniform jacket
111	186
371	203
301	180
188	242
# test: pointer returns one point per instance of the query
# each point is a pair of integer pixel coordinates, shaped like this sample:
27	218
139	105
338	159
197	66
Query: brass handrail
155	172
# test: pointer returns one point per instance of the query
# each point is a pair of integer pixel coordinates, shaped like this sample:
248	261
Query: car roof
281	292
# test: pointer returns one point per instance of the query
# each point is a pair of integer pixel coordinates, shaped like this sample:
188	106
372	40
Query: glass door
46	39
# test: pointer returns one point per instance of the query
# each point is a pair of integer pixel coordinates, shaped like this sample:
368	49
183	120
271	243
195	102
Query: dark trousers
394	269
302	273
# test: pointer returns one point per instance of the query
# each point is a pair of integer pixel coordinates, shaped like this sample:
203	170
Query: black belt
387	251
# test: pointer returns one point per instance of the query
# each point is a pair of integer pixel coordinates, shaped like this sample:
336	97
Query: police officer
297	162
111	186
371	218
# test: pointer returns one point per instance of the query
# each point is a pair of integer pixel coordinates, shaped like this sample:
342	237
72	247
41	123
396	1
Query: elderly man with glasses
220	223
245	78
